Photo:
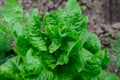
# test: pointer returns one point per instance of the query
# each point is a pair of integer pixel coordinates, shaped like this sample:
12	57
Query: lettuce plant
59	47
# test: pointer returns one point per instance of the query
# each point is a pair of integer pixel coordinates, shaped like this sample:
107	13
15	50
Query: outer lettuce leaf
13	9
4	28
73	7
74	16
92	69
9	70
92	43
15	17
94	64
5	45
32	63
5	40
87	55
103	57
34	33
91	66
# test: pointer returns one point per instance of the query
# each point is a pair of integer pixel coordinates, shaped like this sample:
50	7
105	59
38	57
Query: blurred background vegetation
104	20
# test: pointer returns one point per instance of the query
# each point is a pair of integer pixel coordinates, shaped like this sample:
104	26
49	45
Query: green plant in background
106	76
115	50
64	50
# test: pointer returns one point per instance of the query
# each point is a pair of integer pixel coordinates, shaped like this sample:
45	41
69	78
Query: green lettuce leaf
23	42
103	57
15	17
73	7
53	33
5	40
32	63
74	16
10	69
33	31
4	28
92	43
